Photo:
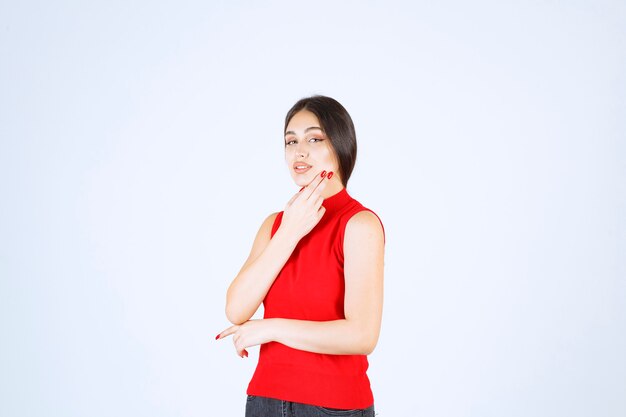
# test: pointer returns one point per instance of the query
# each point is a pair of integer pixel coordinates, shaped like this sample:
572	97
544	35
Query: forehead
301	121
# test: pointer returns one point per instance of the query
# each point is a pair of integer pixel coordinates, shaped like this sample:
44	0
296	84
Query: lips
301	167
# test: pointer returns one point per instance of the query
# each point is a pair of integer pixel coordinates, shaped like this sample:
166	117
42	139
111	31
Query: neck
332	188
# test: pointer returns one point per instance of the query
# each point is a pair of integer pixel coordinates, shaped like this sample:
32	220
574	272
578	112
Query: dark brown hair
336	124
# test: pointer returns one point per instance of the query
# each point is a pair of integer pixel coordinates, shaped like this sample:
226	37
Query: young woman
317	267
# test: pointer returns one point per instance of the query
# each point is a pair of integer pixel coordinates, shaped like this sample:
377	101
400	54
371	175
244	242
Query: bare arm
268	256
358	332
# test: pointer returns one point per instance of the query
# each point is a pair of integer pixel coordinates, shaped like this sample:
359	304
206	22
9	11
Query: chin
301	180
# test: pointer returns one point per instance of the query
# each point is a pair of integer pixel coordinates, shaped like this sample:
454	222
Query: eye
314	140
289	142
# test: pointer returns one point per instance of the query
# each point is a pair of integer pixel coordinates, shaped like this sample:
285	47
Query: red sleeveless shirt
311	287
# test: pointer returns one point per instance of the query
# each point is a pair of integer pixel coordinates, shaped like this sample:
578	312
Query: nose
301	151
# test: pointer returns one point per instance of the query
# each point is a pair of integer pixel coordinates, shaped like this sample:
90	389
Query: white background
141	148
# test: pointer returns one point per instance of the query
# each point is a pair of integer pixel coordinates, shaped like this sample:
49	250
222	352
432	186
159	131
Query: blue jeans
269	407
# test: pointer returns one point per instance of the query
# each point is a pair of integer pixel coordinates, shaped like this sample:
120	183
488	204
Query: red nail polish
301	189
330	174
217	337
245	354
323	173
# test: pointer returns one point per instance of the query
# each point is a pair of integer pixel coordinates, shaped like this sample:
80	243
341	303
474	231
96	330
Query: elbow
234	313
234	316
368	347
367	343
364	337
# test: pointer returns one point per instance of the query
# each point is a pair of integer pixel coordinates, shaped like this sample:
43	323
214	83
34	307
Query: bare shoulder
363	247
262	239
364	224
271	217
268	223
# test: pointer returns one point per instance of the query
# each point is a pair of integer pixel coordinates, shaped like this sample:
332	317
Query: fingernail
323	173
245	354
301	189
217	337
330	174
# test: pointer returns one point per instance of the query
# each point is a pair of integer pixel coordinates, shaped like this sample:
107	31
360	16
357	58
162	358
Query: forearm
337	337
248	289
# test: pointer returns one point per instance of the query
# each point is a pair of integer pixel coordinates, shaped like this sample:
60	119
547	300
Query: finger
241	350
320	187
313	185
227	332
290	202
314	199
317	201
320	213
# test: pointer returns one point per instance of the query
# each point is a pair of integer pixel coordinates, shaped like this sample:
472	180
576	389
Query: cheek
329	156
289	158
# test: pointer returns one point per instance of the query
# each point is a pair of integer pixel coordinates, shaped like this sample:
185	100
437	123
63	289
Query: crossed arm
363	271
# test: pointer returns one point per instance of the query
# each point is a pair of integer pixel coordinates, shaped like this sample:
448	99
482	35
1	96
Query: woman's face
307	149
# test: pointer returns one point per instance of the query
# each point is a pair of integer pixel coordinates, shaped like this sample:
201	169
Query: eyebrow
291	132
